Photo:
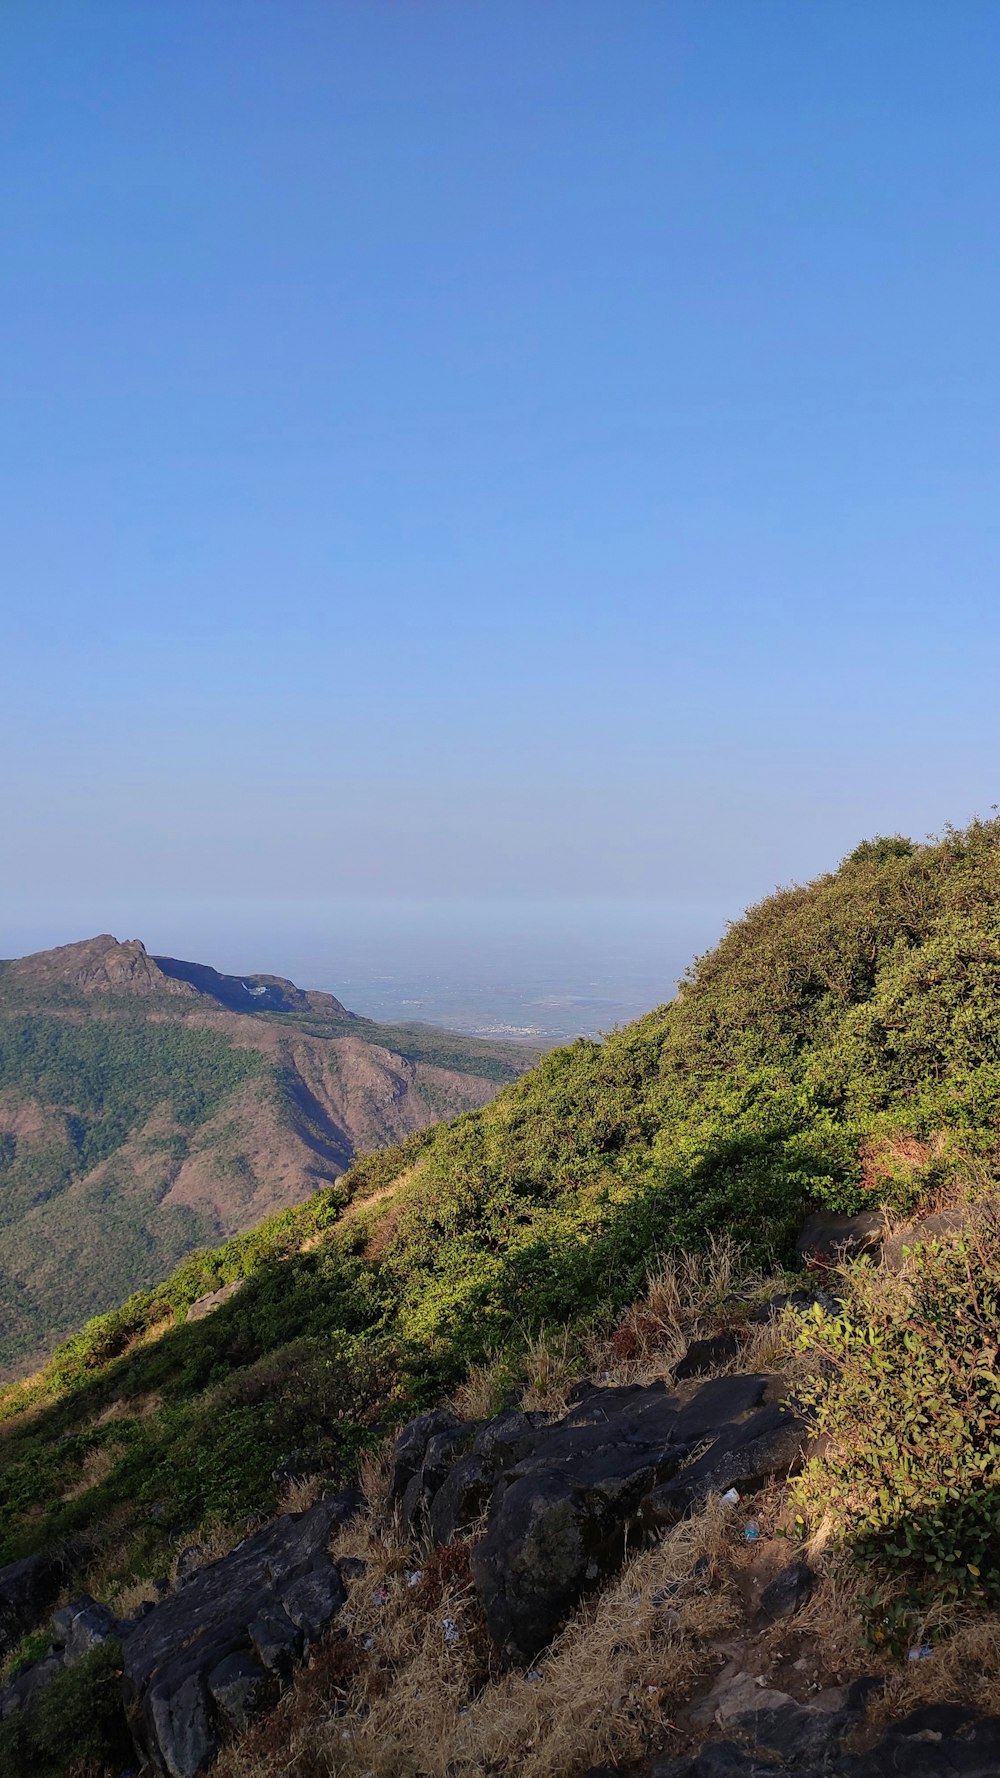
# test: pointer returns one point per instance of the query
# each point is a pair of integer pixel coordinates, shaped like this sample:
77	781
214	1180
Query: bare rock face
220	1647
562	1498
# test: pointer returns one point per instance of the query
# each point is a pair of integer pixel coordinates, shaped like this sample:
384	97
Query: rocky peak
96	965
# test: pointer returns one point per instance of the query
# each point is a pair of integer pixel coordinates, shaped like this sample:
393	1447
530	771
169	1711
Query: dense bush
906	1391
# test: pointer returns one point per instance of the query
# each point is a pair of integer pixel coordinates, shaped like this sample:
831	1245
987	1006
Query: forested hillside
148	1107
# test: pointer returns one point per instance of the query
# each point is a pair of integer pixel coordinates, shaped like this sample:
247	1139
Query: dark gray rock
81	1626
410	1448
930	1228
181	1723
461	1499
278	1642
453	1480
806	1736
313	1602
937	1741
28	1588
508	1438
768	1444
252	1613
240	1689
787	1592
704	1355
442	1450
829	1237
559	1519
25	1688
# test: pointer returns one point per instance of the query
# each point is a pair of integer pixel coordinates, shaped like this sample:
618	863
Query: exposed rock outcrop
562	1498
220	1646
76	1629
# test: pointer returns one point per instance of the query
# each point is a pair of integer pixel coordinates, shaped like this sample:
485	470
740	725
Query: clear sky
528	449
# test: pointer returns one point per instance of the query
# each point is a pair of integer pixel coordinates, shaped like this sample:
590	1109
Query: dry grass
422	1695
484	1390
552	1364
126	1600
689	1296
374	1476
136	1408
97	1465
964	1668
300	1493
832	1623
216	1538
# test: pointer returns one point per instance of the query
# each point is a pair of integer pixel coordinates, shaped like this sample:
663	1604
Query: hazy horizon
538	971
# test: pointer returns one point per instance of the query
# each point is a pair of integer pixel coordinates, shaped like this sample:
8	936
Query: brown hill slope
150	1105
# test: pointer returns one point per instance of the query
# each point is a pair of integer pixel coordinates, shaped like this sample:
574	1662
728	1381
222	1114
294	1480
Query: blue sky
492	448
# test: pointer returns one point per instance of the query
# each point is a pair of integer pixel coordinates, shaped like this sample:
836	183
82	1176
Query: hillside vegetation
148	1107
839	1048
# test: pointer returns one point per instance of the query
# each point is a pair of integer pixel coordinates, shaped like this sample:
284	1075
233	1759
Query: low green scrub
906	1392
76	1725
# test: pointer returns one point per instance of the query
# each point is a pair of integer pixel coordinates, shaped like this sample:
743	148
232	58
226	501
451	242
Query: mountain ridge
150	1105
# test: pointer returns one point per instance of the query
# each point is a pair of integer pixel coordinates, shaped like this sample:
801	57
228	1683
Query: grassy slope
830	1021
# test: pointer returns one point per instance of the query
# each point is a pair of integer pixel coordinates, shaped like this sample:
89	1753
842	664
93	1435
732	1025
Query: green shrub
907	1392
75	1726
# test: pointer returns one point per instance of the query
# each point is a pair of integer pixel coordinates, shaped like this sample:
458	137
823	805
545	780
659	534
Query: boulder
787	1592
509	1437
218	1647
730	1434
461	1498
440	1454
785	1739
828	1237
410	1449
936	1741
622	1459
81	1626
930	1228
25	1688
705	1355
239	1688
214	1299
27	1589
